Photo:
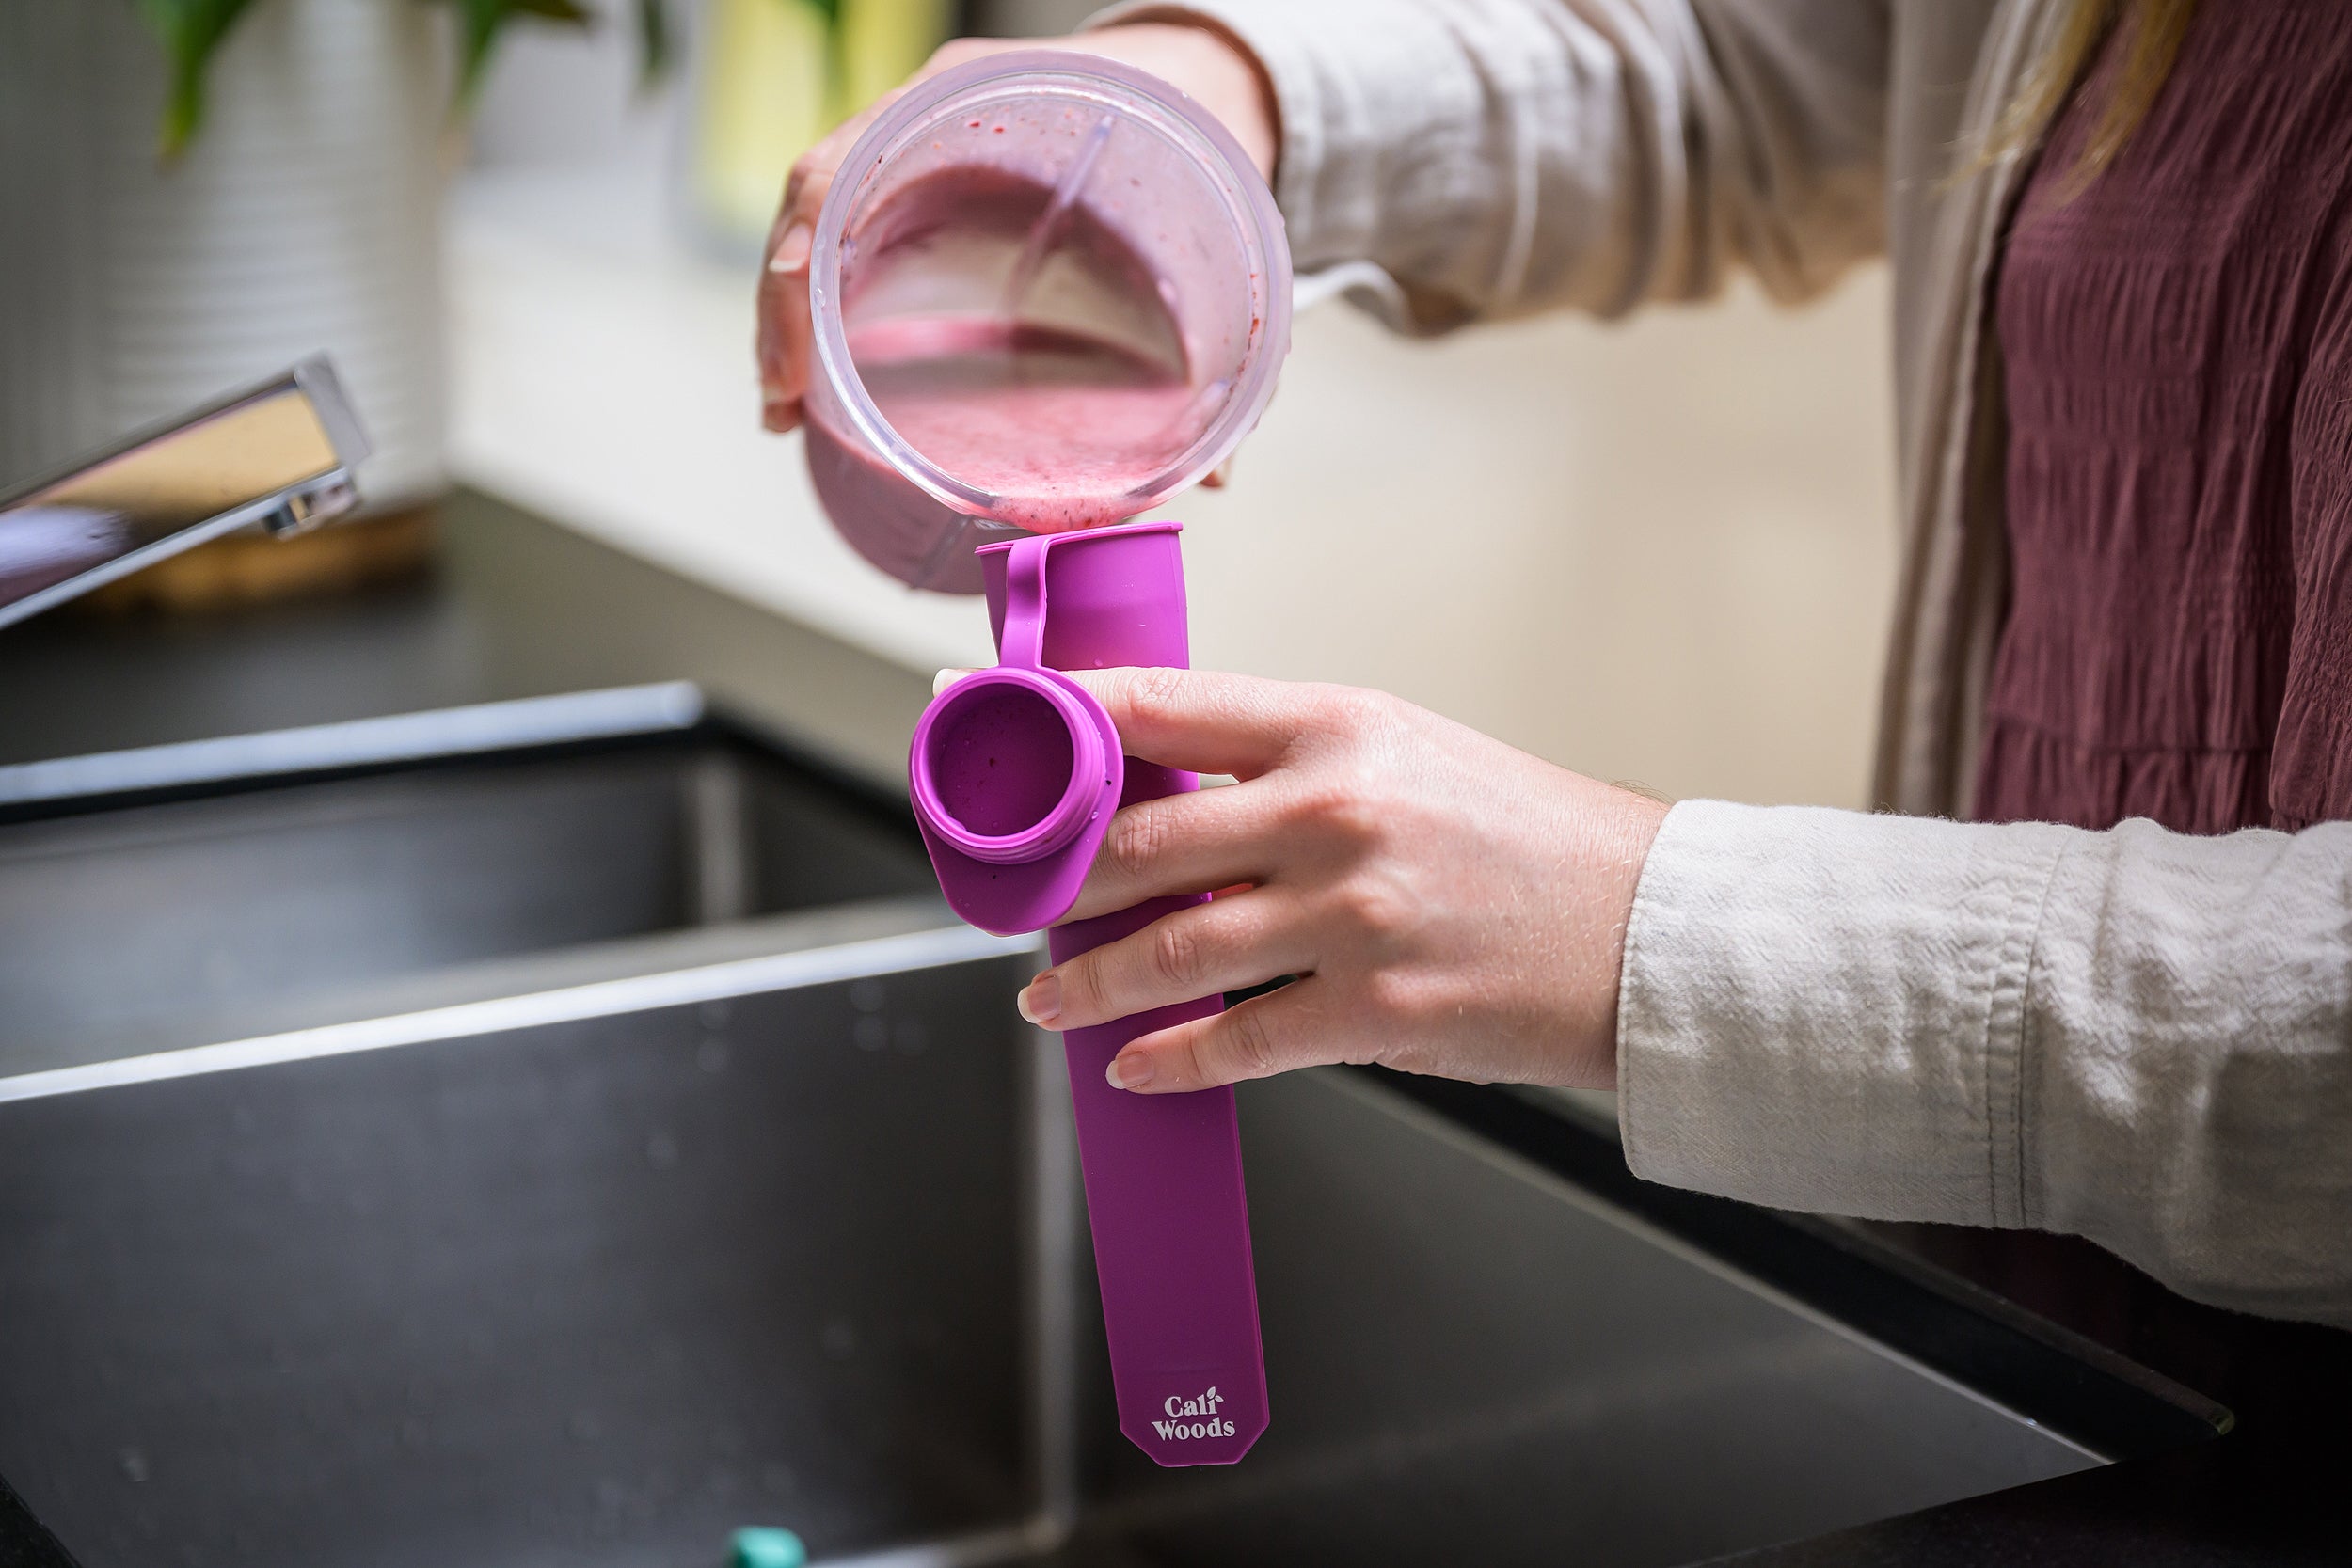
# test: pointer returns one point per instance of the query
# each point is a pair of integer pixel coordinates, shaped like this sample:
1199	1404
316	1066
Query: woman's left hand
1449	905
1198	56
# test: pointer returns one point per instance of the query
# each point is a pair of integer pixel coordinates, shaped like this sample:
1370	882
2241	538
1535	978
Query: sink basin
584	1226
153	898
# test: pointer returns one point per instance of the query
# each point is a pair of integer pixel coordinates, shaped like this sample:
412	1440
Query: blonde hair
2157	28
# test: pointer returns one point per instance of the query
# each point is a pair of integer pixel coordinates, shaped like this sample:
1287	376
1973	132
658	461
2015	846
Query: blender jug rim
1114	88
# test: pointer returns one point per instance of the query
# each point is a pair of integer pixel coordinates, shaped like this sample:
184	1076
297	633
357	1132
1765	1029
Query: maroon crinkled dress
2178	348
2177	339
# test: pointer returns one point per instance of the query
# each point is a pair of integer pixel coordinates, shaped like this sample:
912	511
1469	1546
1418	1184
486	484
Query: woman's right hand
1449	905
1223	77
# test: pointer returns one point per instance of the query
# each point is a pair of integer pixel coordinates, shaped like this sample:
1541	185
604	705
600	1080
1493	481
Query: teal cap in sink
768	1548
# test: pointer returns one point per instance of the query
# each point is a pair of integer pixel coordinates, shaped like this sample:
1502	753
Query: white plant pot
306	216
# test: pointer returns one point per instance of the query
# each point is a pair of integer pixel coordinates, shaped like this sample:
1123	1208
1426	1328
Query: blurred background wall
1658	551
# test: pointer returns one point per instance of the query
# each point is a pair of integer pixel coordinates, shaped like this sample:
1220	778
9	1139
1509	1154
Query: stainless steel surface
279	454
600	1292
575	716
884	935
591	1292
188	921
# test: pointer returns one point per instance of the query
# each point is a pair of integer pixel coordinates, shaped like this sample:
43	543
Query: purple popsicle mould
1015	772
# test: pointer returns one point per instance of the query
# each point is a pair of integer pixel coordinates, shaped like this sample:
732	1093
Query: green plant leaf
481	22
189	30
657	45
836	62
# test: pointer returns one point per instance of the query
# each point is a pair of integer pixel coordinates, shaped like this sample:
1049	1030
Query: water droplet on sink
715	1014
867	995
711	1055
134	1465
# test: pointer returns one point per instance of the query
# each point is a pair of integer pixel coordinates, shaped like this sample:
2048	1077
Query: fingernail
947	678
780	414
791	251
1130	1070
1040	1001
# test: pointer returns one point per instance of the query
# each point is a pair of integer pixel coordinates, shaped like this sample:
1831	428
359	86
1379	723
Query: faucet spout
281	454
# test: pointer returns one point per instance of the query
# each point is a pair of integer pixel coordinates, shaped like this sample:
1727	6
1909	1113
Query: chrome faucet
279	454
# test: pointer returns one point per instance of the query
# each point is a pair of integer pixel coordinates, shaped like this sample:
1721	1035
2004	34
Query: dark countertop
2271	1491
520	608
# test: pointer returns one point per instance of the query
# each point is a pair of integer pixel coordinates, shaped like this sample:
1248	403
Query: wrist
1621	853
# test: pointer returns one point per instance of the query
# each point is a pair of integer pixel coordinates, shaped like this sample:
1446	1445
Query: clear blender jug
1048	292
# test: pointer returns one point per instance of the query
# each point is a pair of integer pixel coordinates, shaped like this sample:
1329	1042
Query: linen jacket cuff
1825	1010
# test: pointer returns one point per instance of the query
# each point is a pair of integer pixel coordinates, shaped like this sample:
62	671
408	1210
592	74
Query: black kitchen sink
566	1136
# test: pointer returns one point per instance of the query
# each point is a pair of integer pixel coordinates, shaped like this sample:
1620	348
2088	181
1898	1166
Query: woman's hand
1223	77
1450	905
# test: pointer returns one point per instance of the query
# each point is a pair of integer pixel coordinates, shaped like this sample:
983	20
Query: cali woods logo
1193	1417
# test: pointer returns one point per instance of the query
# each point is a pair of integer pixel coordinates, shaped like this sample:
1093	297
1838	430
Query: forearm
1504	157
2133	1036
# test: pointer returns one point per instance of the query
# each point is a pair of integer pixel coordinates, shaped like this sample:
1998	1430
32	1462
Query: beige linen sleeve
1502	156
2133	1036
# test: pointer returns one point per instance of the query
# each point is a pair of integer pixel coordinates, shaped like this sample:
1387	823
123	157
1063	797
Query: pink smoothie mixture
1060	424
1063	428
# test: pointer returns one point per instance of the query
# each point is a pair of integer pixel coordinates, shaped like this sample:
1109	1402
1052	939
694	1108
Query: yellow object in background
773	80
